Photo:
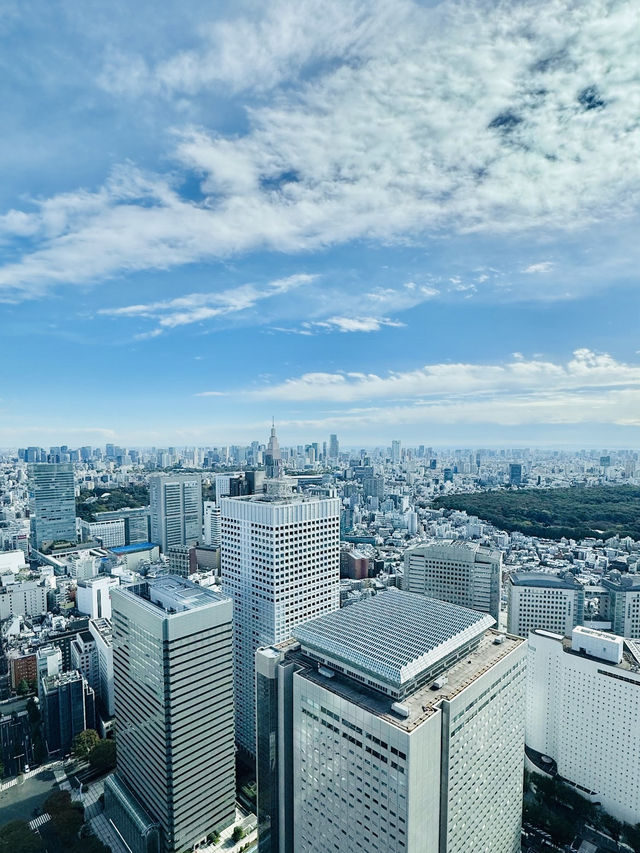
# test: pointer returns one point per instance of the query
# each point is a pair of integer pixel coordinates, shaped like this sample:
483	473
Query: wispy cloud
393	122
196	307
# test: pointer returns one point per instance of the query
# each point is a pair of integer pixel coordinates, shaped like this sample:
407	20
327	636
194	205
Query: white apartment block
623	603
102	634
280	563
464	573
93	596
23	599
396	724
111	533
84	658
546	601
212	524
583	711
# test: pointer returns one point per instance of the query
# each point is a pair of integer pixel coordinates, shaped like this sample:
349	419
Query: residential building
182	560
102	634
23	599
23	667
546	601
84	658
583	715
463	573
176	509
395	724
173	684
68	708
52	503
280	563
212	524
93	596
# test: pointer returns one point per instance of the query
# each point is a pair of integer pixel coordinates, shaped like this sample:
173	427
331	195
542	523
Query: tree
23	688
238	833
103	756
58	801
16	837
84	742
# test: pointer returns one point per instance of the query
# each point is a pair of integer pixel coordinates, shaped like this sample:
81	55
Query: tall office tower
334	447
176	509
395	724
173	684
280	563
515	474
68	708
212	524
549	602
583	708
52	503
463	573
272	457
395	450
622	606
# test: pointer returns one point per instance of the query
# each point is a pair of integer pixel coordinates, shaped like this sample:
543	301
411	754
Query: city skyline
404	217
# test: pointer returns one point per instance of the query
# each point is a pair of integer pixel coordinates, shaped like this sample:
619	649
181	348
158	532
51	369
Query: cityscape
320	426
256	647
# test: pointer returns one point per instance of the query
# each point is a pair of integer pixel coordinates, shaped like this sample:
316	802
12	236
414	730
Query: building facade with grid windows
545	601
280	563
396	724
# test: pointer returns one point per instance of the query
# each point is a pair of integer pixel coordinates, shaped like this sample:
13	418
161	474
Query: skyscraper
334	447
52	503
463	573
395	724
280	563
272	458
396	446
173	685
176	509
515	474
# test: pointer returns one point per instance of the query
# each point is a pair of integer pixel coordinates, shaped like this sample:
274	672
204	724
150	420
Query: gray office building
176	509
52	503
393	725
173	686
68	708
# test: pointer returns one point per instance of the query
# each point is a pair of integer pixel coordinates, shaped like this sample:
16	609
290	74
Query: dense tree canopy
577	512
110	499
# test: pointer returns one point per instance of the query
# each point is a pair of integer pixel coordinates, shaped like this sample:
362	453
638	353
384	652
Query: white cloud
196	307
408	121
494	383
543	266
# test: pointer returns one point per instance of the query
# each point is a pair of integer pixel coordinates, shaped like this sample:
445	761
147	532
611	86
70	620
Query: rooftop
424	701
393	637
131	549
543	579
172	594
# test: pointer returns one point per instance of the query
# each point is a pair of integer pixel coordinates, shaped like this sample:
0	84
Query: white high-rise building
540	600
463	573
280	563
395	724
212	524
583	712
176	509
102	634
172	654
93	596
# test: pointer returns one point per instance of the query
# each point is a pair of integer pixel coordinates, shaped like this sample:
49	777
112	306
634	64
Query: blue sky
385	219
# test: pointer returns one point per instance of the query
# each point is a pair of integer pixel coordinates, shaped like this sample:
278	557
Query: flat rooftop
542	579
172	594
425	701
131	549
393	637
